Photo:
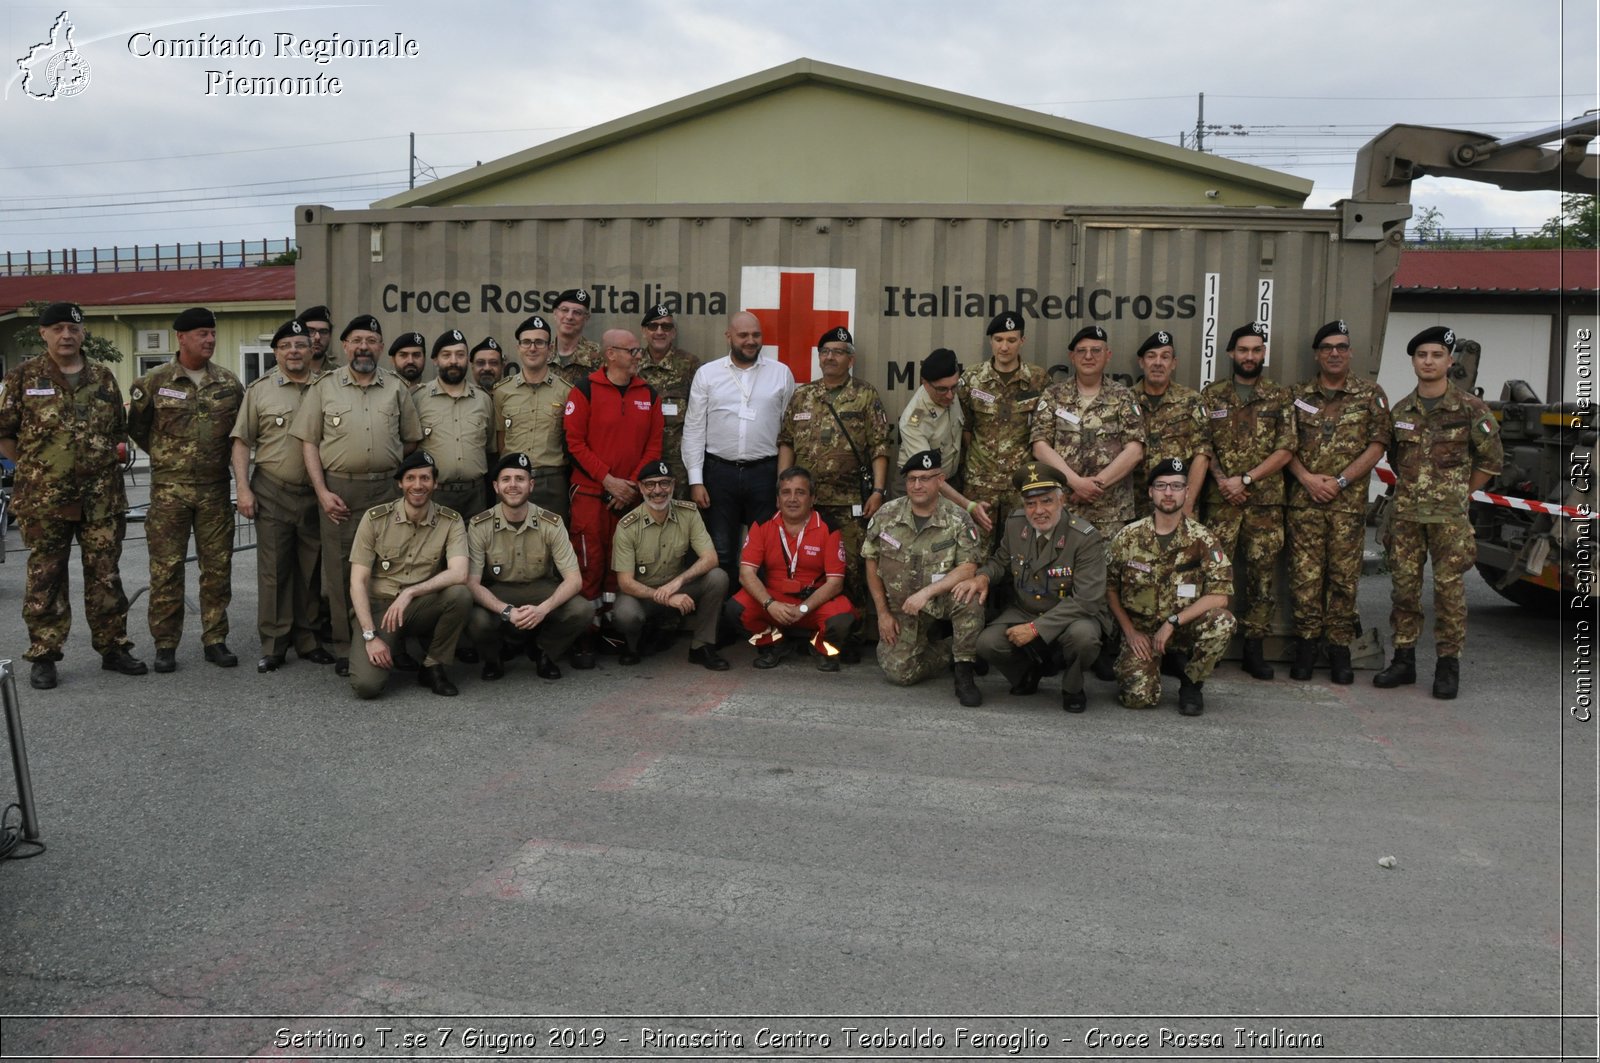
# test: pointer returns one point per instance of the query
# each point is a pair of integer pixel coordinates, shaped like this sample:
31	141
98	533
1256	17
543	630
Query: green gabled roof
942	124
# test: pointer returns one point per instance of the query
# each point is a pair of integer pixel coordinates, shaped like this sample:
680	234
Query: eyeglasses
319	331
660	326
937	390
1334	348
632	352
918	479
833	352
1169	488
537	345
655	486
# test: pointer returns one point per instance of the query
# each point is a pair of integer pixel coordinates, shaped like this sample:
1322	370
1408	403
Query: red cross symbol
795	323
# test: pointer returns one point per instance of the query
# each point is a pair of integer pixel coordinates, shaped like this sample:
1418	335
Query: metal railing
221	254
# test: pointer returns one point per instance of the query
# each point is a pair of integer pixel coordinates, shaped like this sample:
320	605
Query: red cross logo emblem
796	305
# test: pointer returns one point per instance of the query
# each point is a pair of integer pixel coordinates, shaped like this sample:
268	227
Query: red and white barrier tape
1386	474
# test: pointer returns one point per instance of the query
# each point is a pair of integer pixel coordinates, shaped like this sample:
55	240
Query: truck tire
1531	596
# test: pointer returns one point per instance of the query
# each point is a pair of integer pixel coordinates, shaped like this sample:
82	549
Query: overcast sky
143	154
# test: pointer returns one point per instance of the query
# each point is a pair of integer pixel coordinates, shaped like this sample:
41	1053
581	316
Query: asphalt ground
665	848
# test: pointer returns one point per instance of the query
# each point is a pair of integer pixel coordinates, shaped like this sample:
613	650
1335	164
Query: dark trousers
740	496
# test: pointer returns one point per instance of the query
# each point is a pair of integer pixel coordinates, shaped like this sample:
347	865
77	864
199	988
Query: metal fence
221	254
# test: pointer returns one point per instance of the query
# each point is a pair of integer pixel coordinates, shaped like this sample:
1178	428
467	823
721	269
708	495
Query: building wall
1515	347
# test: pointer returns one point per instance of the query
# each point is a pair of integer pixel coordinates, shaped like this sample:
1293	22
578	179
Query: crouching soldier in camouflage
515	552
1168	584
408	575
1056	565
918	550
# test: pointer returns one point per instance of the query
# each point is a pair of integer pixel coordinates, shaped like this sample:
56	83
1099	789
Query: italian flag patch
1216	555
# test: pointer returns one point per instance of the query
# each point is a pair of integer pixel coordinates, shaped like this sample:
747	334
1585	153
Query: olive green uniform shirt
402	554
530	417
657	552
358	430
537	547
457	430
265	416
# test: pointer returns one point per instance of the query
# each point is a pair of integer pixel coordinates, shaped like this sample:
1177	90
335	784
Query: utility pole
411	163
1200	126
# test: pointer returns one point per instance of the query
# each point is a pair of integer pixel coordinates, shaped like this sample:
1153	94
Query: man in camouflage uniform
182	415
932	420
919	549
61	421
488	364
657	581
575	356
408	577
1168	584
355	425
1174	420
997	400
457	421
1089	429
670	370
1343	428
524	577
1055	563
408	358
836	427
1252	439
528	409
278	497
1446	445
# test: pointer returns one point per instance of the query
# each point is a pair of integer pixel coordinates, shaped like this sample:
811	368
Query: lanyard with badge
792	556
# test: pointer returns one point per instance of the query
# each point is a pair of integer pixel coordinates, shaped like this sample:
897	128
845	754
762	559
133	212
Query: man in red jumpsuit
792	577
613	426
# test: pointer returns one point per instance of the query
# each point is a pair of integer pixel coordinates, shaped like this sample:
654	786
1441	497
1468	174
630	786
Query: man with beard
1173	419
1167	585
318	322
575	356
408	574
355	426
523	576
457	420
528	411
488	364
407	356
181	414
730	436
997	402
1343	426
279	498
669	369
1252	439
919	549
1056	565
666	569
613	426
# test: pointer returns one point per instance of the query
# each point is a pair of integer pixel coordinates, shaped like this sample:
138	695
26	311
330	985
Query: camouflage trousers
176	510
1452	549
1325	571
852	533
1253	535
1204	640
288	544
1003	501
914	655
47	601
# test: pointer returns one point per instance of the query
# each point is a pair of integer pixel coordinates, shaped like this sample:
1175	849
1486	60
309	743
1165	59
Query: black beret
836	335
1438	334
193	318
417	459
408	339
1168	467
1088	332
656	313
515	460
940	364
1255	328
1007	322
56	313
1332	328
361	323
1036	478
1157	339
315	313
535	322
574	295
923	459
446	339
488	343
654	470
289	328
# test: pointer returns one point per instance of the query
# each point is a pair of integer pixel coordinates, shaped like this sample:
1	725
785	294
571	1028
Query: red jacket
611	431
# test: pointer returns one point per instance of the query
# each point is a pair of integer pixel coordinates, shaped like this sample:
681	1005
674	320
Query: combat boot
1305	658
1401	670
1339	665
967	691
1255	661
1446	677
1191	701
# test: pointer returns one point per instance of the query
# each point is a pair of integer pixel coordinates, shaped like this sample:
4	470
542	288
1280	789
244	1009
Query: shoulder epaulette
448	514
684	503
628	521
1079	524
382	510
487	514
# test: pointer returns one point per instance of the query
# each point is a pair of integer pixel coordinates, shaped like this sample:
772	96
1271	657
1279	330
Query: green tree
1428	225
30	343
1578	224
288	258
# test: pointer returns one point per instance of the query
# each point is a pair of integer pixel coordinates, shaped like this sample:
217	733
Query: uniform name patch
982	396
1139	566
1218	414
669	409
1306	406
804	415
1407	425
172	393
41	392
1067	415
891	540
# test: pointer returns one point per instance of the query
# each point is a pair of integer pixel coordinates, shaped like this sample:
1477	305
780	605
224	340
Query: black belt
741	464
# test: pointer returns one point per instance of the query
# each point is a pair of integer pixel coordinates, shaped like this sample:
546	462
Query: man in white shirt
730	436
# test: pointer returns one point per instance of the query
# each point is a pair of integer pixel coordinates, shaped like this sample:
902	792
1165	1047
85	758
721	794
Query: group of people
592	496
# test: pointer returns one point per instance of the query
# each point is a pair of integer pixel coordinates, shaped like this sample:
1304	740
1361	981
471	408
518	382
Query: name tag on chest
172	393
669	409
1068	416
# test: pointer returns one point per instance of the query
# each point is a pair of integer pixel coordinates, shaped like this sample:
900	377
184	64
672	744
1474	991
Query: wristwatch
505	614
1247	479
1174	621
1342	482
804	608
369	634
